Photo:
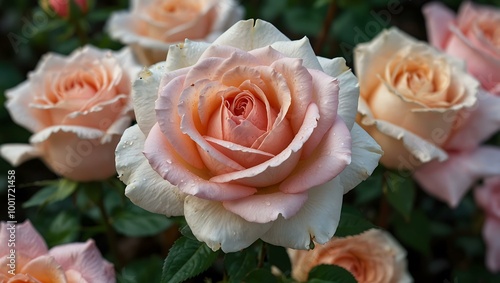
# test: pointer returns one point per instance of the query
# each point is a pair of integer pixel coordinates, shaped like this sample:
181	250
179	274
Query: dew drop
268	203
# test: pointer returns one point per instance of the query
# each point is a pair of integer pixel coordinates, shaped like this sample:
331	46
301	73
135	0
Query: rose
473	35
77	107
153	25
420	106
72	263
488	197
372	257
253	137
62	7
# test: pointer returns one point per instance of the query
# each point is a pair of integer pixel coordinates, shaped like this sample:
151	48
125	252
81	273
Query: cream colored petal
16	154
145	187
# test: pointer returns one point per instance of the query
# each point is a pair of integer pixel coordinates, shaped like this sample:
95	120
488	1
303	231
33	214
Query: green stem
262	255
332	9
110	233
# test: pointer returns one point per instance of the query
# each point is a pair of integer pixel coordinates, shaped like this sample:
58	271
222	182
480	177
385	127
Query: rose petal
317	219
438	19
28	241
264	208
218	228
328	159
279	167
449	180
247	35
188	179
491	230
145	187
245	156
185	54
348	88
16	154
44	269
299	49
476	124
86	259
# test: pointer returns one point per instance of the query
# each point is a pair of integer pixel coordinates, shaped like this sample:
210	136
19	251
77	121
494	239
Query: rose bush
372	257
250	137
69	263
488	198
153	25
77	107
473	35
420	105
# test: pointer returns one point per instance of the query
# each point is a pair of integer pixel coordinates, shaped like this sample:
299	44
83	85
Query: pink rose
153	25
488	197
69	263
473	35
425	111
77	107
372	257
250	137
61	7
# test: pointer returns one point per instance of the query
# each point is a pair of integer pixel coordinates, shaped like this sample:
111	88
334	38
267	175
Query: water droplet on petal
268	203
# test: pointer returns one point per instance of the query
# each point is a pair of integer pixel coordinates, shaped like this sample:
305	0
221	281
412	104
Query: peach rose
488	197
61	7
77	107
33	262
420	105
473	35
153	25
250	137
372	257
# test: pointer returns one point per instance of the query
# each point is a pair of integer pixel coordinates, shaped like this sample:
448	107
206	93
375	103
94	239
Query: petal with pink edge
266	207
438	19
328	159
219	228
28	241
449	180
145	187
317	219
188	179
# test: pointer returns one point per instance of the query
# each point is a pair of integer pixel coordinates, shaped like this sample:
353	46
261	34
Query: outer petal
247	36
145	187
218	228
86	259
450	180
299	49
16	154
185	54
491	230
44	269
348	88
365	154
264	208
28	241
164	159
317	219
438	19
328	160
386	135
476	124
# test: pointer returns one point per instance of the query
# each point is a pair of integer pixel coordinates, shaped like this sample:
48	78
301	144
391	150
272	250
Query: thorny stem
332	9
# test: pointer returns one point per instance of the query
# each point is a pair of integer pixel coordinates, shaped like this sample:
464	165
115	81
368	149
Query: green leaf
400	193
142	270
278	257
259	276
134	221
53	192
331	274
370	189
414	233
239	264
64	228
352	223
187	258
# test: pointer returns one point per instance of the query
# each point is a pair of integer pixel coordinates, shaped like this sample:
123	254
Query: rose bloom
488	197
250	137
61	7
420	105
372	257
77	107
153	25
68	263
473	35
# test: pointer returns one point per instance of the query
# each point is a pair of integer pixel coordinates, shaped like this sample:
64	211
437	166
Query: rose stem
110	232
323	34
